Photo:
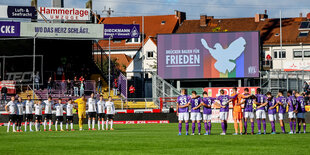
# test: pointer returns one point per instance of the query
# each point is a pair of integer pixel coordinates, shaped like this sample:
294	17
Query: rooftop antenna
109	11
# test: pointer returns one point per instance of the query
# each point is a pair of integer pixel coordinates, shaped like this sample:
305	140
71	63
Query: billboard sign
120	31
9	29
18	12
208	55
60	30
215	91
51	13
296	66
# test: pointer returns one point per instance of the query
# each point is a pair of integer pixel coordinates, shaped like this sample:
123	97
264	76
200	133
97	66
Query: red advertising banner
143	122
215	91
10	85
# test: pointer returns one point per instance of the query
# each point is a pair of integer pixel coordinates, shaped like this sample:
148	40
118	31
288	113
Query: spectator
63	81
37	81
82	89
4	92
76	85
69	87
49	85
115	86
82	79
132	91
306	87
171	109
99	85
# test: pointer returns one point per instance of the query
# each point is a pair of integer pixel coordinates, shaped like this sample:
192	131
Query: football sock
273	126
206	126
236	126
180	127
93	124
245	126
264	125
26	123
102	125
13	126
283	130
50	124
9	123
259	125
30	125
295	126
67	125
291	126
225	123
299	126
106	124
186	127
60	125
223	127
252	126
111	124
210	126
36	126
56	123
304	127
199	127
39	124
44	124
88	123
71	124
193	127
98	124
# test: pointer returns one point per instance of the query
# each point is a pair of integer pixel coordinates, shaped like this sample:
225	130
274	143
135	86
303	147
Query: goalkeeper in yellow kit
81	110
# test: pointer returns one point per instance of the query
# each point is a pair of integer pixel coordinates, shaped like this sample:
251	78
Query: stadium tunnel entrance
72	57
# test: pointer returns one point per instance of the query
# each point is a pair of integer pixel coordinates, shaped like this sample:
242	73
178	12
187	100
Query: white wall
278	62
135	67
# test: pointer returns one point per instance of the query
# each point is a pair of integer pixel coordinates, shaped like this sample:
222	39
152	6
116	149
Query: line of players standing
17	109
258	104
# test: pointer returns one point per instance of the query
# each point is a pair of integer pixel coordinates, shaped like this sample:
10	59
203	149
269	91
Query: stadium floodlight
34	62
111	36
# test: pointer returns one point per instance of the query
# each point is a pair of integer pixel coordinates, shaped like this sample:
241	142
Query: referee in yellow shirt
81	110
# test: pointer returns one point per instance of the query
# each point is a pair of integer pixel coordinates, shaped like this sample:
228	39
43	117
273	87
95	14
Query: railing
162	88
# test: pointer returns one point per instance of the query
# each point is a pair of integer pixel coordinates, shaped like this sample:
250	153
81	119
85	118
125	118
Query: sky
193	8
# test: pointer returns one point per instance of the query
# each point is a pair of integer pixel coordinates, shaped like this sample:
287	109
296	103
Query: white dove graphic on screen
225	56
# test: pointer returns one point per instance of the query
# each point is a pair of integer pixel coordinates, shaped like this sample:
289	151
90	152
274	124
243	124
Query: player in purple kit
182	110
195	112
282	103
261	102
223	102
272	111
292	110
301	111
248	111
207	111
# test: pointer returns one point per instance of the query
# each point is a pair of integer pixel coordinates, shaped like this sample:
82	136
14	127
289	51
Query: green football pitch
150	139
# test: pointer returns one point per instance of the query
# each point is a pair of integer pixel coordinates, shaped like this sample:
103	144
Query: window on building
303	33
307	54
297	54
133	40
150	54
279	54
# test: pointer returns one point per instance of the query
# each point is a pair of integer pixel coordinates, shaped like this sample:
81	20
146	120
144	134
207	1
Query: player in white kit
48	104
101	112
91	104
59	114
110	112
69	117
28	112
20	114
38	114
11	109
